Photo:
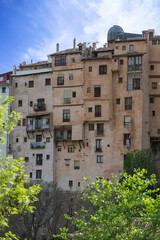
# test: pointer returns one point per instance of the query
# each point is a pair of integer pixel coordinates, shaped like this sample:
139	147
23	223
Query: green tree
120	210
14	197
140	159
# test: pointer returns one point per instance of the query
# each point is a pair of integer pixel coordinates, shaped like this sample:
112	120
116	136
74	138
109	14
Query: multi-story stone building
33	137
93	105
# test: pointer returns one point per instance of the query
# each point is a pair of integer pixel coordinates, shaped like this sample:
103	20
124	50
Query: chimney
90	51
14	69
84	46
94	45
57	47
74	43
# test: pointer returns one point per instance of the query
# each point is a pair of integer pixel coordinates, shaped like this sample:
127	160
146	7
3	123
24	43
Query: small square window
152	100
70	183
70	149
47	156
48	139
117	47
91	127
31	84
154	85
76	164
25	139
123	47
131	48
70	76
59	148
26	159
3	89
73	60
103	69
38	174
153	113
120	80
47	81
90	109
151	67
88	90
121	61
73	94
118	101
67	162
90	69
20	103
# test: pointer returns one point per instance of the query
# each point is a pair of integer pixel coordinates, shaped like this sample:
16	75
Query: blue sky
30	29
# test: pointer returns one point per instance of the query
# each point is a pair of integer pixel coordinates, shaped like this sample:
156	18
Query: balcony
37	127
63	133
37	145
39	107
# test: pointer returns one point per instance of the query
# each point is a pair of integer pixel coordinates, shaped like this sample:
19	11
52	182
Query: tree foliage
14	197
140	159
120	210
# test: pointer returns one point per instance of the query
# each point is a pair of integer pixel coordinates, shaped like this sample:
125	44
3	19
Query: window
153	113
39	159
90	109
38	138
59	148
60	61
154	85
98	111
118	101
25	139
70	183
103	69
120	80
135	63
151	67
20	103
73	94
47	156
48	139
30	174
133	83
38	174
26	159
25	84
47	81
98	145
158	131
31	103
76	164
70	149
123	47
154	42
117	47
91	127
97	91
67	96
16	84
100	128
67	162
31	84
73	60
17	140
131	48
19	123
79	184
90	69
99	158
128	103
88	90
23	122
127	121
66	115
152	100
70	76
47	121
121	61
127	139
60	80
3	89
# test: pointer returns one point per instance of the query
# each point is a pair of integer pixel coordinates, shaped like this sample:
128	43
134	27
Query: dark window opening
97	91
98	111
103	69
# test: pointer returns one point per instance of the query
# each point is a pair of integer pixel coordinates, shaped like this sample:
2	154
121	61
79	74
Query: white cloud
88	21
